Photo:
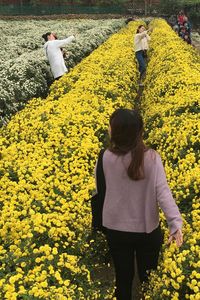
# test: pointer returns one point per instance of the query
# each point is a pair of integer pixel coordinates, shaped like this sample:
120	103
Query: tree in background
80	2
145	3
190	7
169	6
146	6
166	7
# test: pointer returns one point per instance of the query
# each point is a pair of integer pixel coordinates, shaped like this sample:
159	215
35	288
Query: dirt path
105	274
138	97
196	40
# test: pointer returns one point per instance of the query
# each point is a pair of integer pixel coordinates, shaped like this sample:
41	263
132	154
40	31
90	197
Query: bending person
141	46
54	53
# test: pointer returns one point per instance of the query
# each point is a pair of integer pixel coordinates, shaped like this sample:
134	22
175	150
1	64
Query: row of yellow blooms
170	104
48	152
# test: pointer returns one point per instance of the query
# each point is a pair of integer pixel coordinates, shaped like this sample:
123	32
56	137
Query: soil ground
196	40
64	16
106	275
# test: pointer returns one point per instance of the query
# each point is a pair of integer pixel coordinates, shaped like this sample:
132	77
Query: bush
24	70
171	113
48	154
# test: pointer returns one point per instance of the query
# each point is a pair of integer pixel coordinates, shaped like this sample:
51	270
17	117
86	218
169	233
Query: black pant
141	61
57	78
123	246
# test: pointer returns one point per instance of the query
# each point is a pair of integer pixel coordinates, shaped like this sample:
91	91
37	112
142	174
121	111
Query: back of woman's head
126	126
126	136
45	36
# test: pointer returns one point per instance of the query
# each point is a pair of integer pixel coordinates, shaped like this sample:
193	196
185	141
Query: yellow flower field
48	152
170	103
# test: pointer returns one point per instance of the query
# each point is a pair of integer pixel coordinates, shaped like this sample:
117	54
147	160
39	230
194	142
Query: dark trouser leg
57	78
147	253
122	253
141	61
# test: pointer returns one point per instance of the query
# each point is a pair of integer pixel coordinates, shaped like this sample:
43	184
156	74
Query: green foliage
170	6
190	2
24	69
84	2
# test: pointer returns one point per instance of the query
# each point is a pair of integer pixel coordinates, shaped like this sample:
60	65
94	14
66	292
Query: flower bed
24	70
170	104
48	152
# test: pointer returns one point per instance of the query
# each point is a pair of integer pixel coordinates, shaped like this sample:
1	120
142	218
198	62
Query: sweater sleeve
148	37
165	199
62	43
95	176
142	34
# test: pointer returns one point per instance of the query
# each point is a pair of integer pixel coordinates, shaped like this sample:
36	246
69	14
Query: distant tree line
77	2
167	4
168	7
84	2
190	8
173	5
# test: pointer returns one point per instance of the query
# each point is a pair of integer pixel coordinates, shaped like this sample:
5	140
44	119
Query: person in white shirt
54	53
141	46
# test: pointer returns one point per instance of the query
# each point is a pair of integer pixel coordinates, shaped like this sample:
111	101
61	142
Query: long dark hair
126	136
45	36
139	28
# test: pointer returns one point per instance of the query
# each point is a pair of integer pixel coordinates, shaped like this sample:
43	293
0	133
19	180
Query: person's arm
142	34
46	49
167	204
148	37
62	43
95	176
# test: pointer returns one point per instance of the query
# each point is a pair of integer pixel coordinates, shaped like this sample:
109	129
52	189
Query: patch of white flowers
24	69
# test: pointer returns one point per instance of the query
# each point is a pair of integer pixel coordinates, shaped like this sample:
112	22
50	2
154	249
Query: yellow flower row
48	152
170	104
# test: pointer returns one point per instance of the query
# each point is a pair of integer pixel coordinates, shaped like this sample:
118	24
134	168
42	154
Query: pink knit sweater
133	205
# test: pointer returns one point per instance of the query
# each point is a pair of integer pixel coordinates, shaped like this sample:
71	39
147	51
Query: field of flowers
48	152
171	105
24	70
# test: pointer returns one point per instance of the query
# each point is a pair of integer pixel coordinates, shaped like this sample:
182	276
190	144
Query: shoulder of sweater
136	36
153	155
107	152
48	43
150	153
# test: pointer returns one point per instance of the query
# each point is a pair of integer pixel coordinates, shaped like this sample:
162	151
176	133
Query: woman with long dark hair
135	186
141	46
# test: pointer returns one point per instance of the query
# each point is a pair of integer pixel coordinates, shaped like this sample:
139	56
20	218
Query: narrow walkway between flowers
105	273
138	97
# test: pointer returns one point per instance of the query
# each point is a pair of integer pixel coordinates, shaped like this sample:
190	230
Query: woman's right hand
177	236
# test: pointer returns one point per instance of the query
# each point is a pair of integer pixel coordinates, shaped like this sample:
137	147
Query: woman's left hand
177	236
